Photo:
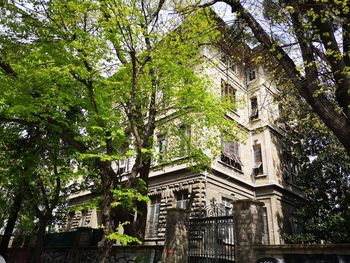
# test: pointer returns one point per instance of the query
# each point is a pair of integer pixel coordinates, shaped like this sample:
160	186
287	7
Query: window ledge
234	111
175	161
254	119
249	82
260	176
231	167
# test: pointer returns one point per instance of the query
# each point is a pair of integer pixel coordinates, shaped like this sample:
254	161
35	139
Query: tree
324	177
103	75
310	41
13	171
36	172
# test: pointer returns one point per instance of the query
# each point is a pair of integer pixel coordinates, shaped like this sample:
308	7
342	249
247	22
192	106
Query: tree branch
335	59
336	122
7	68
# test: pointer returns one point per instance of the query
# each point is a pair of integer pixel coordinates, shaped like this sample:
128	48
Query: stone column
176	236
248	215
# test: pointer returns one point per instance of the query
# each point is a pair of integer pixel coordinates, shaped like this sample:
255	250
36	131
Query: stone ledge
330	249
177	209
248	201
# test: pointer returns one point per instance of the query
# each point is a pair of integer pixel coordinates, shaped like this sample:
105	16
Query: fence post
176	236
248	216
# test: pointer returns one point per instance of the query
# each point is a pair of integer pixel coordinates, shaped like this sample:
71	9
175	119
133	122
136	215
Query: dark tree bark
11	223
141	219
43	222
108	218
308	86
44	216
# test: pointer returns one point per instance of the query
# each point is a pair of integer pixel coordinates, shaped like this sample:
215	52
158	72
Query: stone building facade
257	167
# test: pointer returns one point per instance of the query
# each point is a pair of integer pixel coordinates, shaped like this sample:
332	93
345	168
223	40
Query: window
266	239
229	91
123	166
251	75
226	230
254	114
181	199
224	58
83	218
231	154
258	165
185	131
153	217
227	206
185	137
70	219
228	62
233	67
290	168
162	147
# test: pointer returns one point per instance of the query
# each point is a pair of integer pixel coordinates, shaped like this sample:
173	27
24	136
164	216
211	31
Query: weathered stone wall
168	199
127	254
249	229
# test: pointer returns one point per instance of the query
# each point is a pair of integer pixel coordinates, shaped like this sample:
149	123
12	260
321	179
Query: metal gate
211	236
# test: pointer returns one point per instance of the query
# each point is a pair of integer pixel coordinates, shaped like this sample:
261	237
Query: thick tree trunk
141	220
336	121
107	212
43	222
137	226
11	224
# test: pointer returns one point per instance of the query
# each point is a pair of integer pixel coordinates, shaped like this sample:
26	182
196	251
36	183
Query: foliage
93	203
123	238
324	177
310	43
126	197
95	79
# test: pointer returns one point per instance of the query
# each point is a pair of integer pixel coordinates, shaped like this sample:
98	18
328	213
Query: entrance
211	236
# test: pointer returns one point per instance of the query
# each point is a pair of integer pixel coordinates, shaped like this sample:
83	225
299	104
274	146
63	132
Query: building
257	167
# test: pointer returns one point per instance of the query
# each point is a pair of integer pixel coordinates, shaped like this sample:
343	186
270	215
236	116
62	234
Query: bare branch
308	86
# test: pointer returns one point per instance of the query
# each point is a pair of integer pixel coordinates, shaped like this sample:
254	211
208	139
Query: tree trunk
336	121
43	222
141	220
11	224
137	227
107	212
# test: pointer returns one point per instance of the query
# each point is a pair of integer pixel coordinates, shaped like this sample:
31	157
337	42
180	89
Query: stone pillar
176	236
249	228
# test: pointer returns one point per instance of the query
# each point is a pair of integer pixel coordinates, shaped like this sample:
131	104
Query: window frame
232	159
258	167
251	75
228	62
227	205
153	213
162	146
230	92
254	108
83	218
181	202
